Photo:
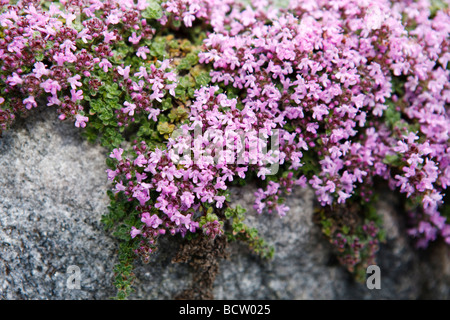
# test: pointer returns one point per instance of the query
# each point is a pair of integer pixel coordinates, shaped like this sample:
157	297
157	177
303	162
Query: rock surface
53	193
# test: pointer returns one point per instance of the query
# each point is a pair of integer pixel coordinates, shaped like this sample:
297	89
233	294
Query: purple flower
187	199
282	209
140	161
113	17
68	46
374	17
111	174
188	18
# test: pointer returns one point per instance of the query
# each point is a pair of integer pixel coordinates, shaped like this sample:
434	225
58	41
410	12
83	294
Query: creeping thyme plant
187	95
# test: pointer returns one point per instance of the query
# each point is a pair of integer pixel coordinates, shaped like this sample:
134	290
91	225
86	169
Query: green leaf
105	114
157	49
111	163
203	79
186	82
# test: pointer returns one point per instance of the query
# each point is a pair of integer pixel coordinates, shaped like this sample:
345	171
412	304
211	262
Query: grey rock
53	193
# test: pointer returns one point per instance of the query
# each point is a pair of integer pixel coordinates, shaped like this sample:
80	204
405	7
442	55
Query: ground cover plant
191	97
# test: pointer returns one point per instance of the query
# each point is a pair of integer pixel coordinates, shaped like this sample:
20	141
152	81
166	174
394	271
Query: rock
54	193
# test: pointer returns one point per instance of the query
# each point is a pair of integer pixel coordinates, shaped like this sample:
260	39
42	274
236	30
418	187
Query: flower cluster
194	170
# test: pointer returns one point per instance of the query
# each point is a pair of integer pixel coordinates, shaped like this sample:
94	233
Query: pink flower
130	107
84	35
60	58
374	17
142	52
343	196
151	221
69	18
108	36
113	17
154	114
320	111
14	80
117	154
358	100
53	100
188	18
282	209
125	72
142	72
76	95
140	161
119	187
134	39
431	201
111	174
219	201
68	46
51	86
187	198
74	83
40	70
